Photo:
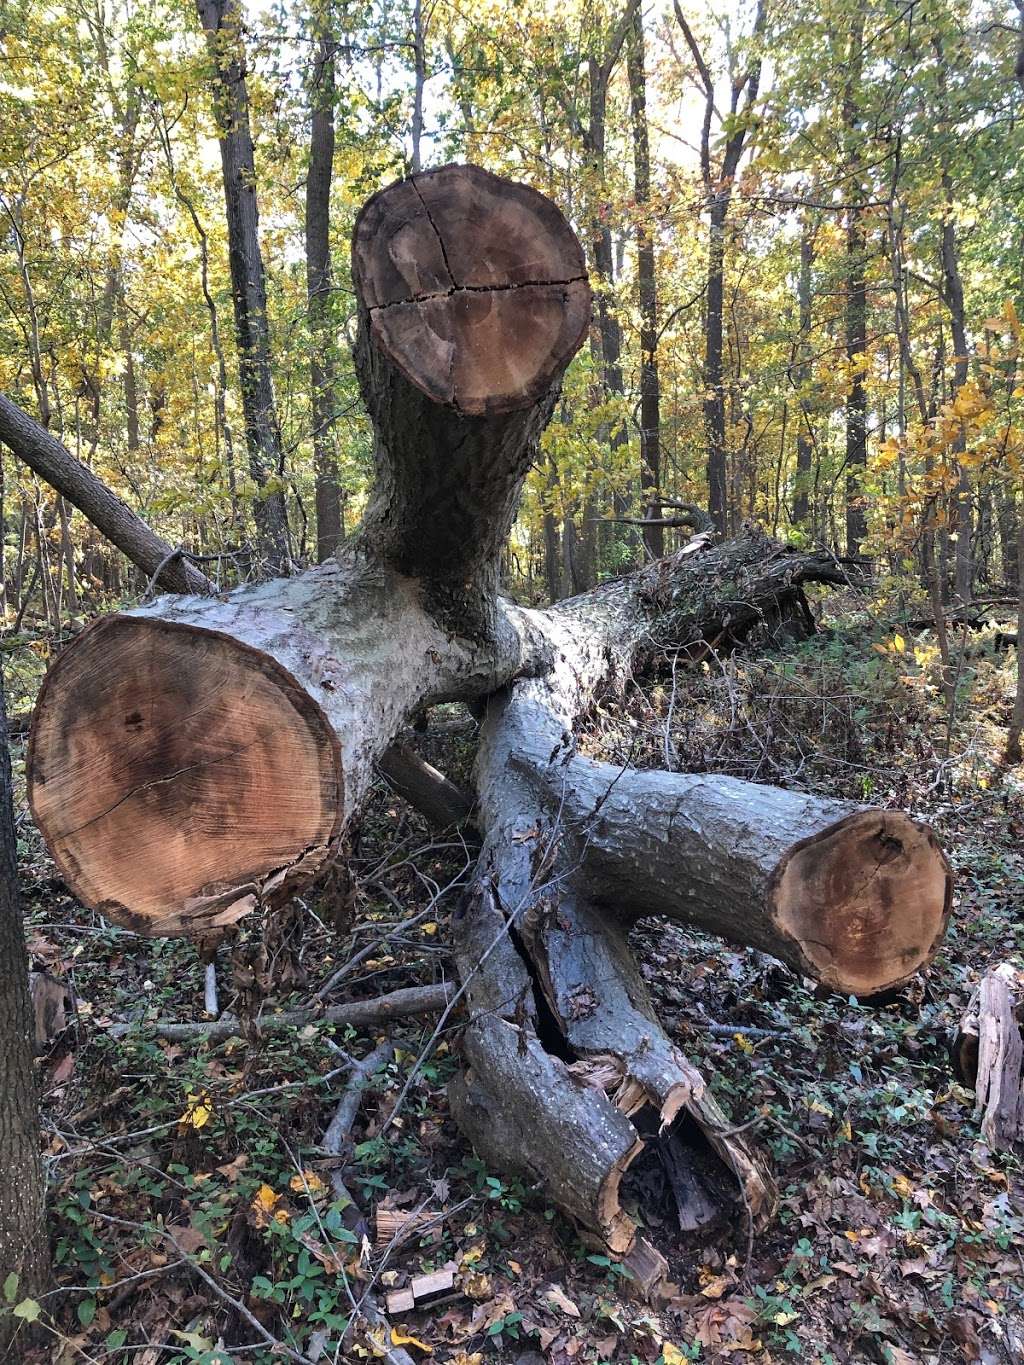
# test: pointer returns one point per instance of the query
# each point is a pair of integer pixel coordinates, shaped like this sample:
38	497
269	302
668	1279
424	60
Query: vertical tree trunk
714	389
856	298
420	65
954	291
23	1243
602	254
856	399
221	20
802	376
318	285
718	189
650	405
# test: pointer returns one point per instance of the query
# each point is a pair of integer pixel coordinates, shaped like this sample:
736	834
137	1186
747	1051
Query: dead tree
198	756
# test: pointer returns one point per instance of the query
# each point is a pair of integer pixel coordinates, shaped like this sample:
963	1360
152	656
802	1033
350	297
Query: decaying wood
988	1054
192	759
393	1226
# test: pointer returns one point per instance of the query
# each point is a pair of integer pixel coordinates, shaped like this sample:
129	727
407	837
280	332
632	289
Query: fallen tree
196	757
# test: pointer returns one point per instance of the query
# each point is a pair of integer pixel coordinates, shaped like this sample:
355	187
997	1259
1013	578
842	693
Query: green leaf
11	1287
117	1337
27	1309
86	1311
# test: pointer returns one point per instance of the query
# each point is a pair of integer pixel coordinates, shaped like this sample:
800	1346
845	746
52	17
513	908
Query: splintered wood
422	1291
989	1054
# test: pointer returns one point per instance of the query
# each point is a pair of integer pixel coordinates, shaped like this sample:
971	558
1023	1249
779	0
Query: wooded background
802	224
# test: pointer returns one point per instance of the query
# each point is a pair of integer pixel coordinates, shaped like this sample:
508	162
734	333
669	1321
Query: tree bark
221	19
318	285
856	302
24	1250
647	287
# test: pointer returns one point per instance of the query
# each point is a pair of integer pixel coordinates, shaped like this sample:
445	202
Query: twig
400	1004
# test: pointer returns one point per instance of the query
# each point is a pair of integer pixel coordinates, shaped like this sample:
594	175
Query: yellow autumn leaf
198	1113
744	1044
716	1287
308	1180
899	643
265	1199
672	1355
403	1339
429	928
902	1186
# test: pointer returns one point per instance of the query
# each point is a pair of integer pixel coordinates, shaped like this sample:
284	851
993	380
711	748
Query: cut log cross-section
473	299
196	757
218	746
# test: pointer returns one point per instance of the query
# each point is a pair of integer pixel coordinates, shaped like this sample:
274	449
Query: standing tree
647	288
318	285
718	182
24	1249
221	19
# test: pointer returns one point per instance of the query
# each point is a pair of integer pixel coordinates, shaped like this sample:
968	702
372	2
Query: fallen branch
400	1004
333	1142
54	463
426	790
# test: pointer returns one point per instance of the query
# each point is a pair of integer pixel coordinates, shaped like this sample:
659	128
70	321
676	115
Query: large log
855	897
191	759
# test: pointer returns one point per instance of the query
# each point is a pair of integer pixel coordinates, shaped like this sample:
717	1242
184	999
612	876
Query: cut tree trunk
473	299
220	746
194	758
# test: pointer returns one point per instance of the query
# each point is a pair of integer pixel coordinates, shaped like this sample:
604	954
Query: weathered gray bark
285	692
24	1251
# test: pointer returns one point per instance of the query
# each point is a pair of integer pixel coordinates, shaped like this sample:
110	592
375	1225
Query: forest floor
190	1201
